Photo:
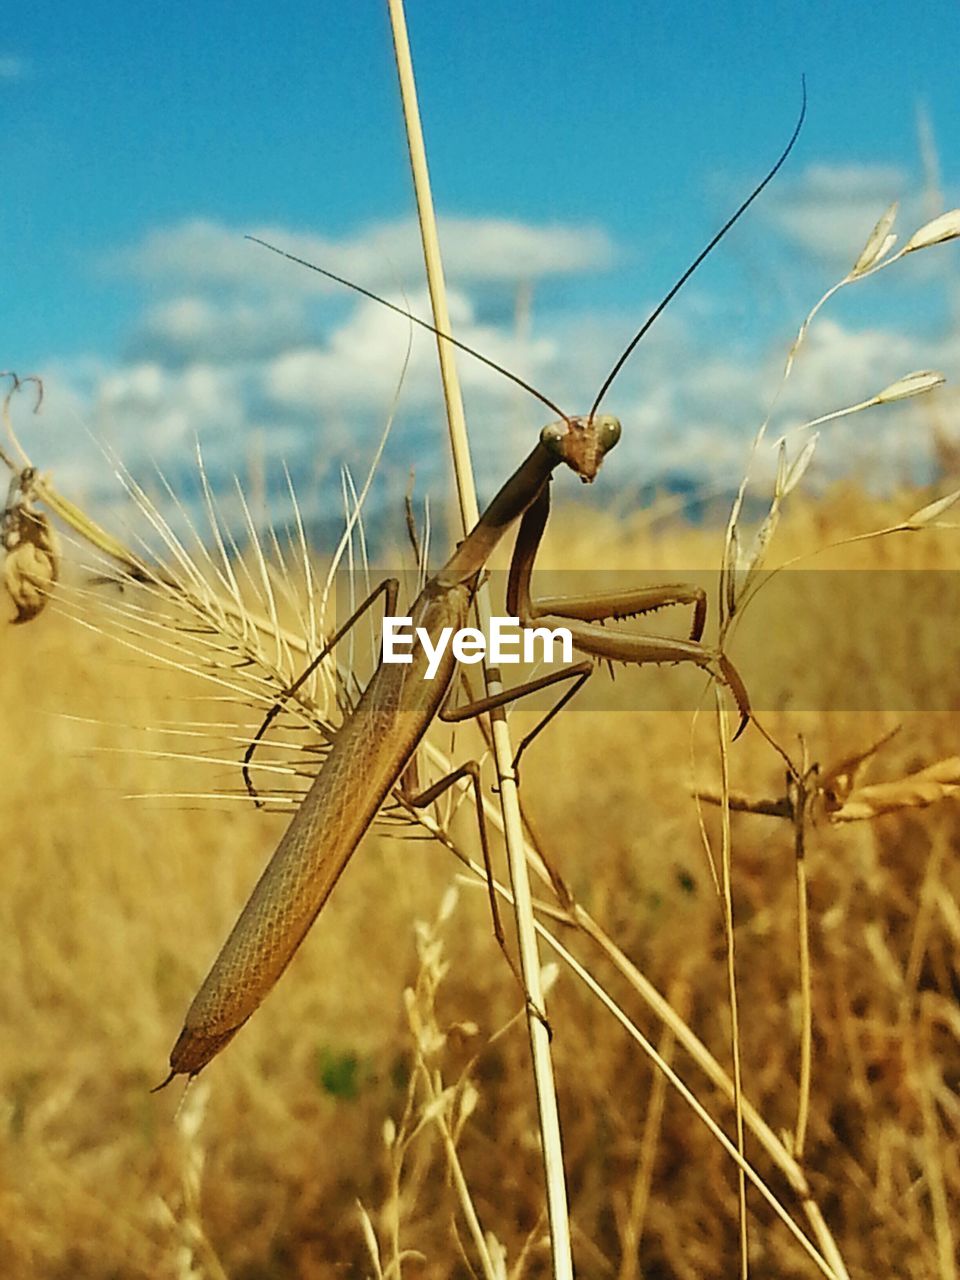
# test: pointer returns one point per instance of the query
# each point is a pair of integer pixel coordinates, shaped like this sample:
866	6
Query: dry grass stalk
549	1120
633	1212
726	893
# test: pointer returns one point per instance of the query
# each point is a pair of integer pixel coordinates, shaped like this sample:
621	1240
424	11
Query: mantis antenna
628	351
672	293
424	324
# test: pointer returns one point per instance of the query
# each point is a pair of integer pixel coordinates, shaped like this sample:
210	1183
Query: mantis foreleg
582	614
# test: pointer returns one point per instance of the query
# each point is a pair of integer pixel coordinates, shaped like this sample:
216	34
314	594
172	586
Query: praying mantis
374	746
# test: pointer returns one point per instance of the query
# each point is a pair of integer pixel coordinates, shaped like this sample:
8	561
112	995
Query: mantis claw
731	678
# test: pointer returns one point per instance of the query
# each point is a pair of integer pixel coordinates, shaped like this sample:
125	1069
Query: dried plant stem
930	891
433	1090
640	1192
932	1154
503	751
727	899
393	1219
829	1260
806	993
824	1262
701	1055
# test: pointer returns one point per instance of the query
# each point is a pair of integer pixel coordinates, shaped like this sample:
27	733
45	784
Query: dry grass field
113	908
754	958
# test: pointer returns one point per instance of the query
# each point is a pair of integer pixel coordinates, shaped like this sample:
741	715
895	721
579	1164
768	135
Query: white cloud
839	364
685	418
830	210
192	328
157	412
696	417
253	358
359	363
381	257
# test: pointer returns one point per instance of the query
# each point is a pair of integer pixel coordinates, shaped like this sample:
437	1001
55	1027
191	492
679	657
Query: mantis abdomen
365	761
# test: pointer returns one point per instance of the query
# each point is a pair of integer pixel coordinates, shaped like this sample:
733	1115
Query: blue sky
586	151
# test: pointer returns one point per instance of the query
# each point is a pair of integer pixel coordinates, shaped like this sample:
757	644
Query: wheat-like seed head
31	564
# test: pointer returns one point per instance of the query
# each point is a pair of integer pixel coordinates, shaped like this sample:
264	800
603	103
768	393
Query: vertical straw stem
503	751
806	991
456	420
727	894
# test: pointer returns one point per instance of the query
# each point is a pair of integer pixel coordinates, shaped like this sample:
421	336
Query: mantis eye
609	432
551	437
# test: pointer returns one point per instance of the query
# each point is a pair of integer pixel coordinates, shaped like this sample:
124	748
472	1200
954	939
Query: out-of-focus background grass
112	909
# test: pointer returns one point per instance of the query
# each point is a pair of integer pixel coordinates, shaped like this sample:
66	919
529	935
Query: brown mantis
374	746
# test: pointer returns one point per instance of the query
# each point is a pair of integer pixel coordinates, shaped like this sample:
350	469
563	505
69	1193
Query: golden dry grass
112	910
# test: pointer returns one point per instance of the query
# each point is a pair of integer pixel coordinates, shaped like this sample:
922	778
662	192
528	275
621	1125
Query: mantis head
582	443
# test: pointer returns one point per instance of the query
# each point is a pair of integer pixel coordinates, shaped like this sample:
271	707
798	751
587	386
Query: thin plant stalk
932	1146
458	1177
727	898
643	1178
806	994
557	1211
824	1262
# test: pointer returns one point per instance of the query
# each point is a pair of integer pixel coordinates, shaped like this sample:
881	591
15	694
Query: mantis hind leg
420	800
389	588
578	672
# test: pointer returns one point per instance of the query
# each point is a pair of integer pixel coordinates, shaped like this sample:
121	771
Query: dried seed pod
32	563
879	244
940	781
932	511
939	231
911	384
